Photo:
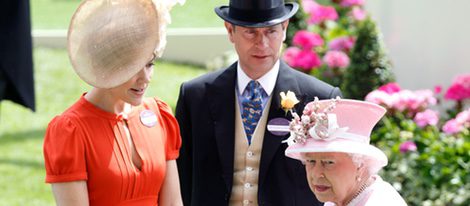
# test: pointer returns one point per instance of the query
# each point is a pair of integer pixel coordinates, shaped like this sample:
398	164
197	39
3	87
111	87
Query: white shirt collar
267	81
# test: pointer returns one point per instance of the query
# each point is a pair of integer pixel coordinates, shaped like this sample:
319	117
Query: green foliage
437	173
370	66
297	22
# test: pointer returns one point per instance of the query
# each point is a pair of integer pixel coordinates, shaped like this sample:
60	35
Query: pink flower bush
336	59
438	89
413	100
309	5
358	14
304	59
403	100
416	105
463	80
463	117
458	124
380	97
319	13
457	92
428	117
452	127
342	44
349	3
392	97
390	88
318	44
460	88
424	98
408	146
290	54
307	40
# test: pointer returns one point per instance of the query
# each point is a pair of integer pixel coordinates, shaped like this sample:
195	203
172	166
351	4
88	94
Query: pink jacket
379	193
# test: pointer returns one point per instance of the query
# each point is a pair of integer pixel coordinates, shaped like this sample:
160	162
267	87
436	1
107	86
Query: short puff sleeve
64	151
173	138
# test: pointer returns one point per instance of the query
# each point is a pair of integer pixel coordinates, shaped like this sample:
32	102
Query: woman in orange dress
113	146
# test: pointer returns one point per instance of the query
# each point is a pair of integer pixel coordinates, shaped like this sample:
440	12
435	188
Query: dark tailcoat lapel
221	97
285	82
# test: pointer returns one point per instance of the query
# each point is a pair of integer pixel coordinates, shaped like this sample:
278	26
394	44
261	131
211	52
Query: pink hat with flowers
336	125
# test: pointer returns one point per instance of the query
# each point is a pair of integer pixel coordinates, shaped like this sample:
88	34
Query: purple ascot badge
278	126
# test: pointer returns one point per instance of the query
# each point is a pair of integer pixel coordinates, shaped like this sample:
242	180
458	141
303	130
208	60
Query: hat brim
223	12
109	47
343	146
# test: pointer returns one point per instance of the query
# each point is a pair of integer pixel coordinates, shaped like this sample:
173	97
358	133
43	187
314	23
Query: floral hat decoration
335	125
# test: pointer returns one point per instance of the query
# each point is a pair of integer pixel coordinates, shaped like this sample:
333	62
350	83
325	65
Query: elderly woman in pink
332	138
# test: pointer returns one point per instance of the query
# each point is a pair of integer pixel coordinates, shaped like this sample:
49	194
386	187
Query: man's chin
264	64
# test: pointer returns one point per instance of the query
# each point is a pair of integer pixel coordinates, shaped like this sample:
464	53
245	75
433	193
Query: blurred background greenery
57	87
56	14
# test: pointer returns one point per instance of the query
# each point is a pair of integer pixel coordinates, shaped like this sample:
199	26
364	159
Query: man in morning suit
228	156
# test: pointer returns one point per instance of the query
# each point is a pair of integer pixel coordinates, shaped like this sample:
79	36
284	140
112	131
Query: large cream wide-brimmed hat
109	41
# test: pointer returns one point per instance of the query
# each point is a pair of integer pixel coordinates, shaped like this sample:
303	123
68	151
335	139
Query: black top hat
257	13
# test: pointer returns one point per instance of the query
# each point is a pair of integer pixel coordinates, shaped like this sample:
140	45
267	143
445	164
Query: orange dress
87	143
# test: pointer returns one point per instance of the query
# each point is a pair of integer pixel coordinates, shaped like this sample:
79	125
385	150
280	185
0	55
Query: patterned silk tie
252	108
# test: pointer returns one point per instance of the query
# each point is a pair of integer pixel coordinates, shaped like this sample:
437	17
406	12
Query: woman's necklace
361	189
